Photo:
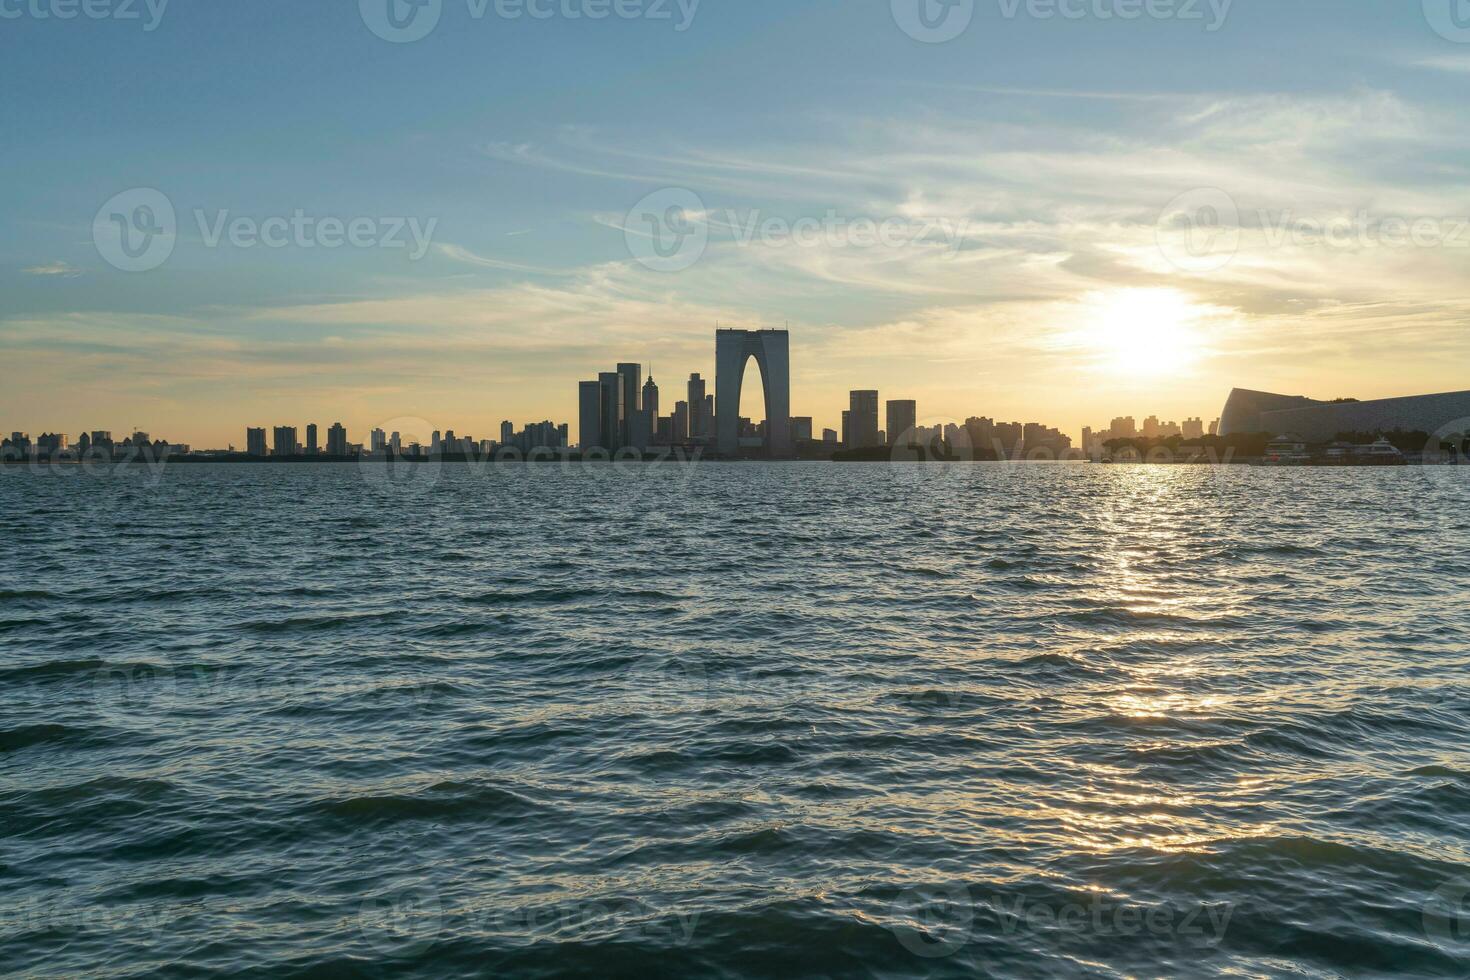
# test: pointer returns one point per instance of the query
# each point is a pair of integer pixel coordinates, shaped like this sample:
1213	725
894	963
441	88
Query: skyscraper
696	406
589	415
312	446
681	422
863	422
902	417
611	431
650	399
772	352
254	441
507	433
632	382
284	441
337	440
801	429
379	441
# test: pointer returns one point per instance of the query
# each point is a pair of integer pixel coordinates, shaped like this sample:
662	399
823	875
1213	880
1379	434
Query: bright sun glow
1144	331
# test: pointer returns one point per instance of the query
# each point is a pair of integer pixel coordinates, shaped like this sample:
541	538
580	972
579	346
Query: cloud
57	268
1051	207
1458	64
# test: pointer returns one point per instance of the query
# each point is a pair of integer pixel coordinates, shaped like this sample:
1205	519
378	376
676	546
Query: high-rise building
902	418
708	418
846	429
254	441
801	429
589	415
51	443
1124	428
640	430
312	446
284	441
507	433
337	440
863	405
395	444
378	441
696	407
1193	428
1008	436
1151	427
829	437
611	430
650	399
681	423
1215	428
632	382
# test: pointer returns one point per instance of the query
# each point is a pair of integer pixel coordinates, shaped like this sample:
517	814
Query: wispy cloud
1056	211
57	268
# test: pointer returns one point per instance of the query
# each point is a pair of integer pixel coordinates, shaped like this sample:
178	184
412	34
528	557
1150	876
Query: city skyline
631	383
998	219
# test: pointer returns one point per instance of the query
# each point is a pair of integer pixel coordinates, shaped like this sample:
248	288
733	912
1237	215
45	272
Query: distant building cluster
1094	443
284	442
978	435
622	411
97	444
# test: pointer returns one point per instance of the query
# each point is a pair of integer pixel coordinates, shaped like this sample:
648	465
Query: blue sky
1027	164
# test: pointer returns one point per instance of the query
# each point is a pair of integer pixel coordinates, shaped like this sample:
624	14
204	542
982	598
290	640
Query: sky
217	215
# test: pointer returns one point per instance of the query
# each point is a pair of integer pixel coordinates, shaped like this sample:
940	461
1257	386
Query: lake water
735	720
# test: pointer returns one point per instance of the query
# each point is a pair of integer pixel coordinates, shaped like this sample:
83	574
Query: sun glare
1144	331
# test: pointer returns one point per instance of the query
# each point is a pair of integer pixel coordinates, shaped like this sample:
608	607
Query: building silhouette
771	350
283	442
862	419
902	418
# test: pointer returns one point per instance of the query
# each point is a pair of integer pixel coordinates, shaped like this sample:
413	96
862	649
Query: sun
1143	331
